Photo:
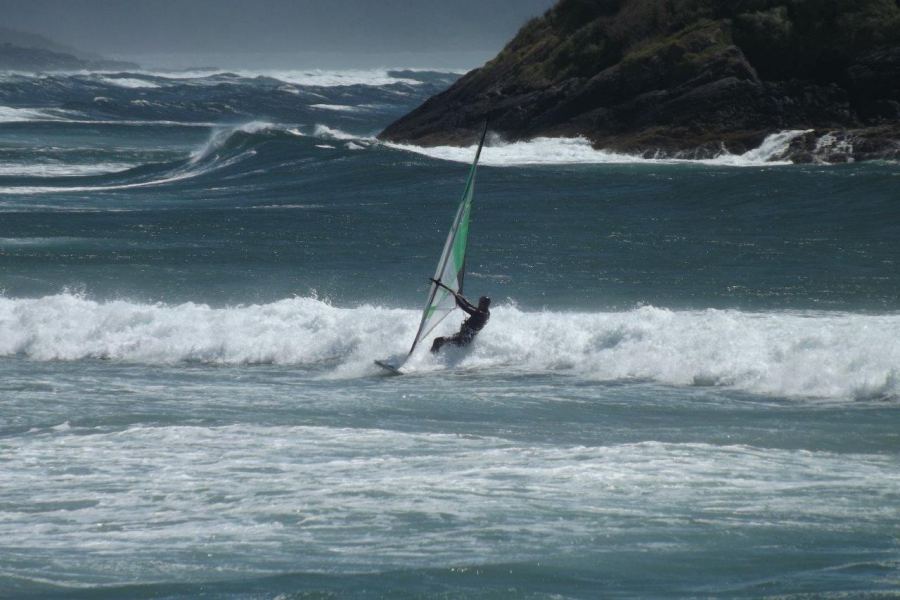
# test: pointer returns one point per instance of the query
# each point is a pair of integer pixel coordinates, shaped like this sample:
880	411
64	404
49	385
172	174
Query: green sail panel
451	268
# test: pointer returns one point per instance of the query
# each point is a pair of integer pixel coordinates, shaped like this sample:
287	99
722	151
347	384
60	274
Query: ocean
689	387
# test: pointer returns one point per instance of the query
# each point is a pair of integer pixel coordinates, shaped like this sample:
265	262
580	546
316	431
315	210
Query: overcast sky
360	28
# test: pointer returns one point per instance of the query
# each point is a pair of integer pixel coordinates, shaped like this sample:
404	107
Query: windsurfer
478	318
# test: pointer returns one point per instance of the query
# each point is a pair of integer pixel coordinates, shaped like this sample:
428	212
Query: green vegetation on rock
687	75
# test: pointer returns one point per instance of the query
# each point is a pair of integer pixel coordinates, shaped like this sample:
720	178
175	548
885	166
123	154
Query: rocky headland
687	79
29	52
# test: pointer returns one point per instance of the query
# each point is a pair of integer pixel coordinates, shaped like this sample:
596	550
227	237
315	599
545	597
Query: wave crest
825	355
225	148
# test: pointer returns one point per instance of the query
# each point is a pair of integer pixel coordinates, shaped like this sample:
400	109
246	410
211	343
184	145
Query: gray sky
358	30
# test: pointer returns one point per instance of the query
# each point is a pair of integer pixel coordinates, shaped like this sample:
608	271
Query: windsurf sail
451	268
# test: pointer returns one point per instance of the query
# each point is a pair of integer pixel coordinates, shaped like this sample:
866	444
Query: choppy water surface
689	386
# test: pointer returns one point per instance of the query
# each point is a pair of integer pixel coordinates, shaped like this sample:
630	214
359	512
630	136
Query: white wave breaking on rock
578	150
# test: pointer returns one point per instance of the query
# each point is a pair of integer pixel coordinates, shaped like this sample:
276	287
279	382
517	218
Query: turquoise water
689	385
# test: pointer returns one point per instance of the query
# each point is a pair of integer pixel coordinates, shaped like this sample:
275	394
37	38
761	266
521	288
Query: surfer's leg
459	340
463	339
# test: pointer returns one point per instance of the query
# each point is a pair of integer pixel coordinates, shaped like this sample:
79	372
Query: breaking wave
18	115
301	77
129	82
788	354
225	148
578	150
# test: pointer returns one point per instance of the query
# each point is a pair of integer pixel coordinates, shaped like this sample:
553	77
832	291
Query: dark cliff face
684	77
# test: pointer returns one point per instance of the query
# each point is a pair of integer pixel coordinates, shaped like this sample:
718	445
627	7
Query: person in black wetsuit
478	318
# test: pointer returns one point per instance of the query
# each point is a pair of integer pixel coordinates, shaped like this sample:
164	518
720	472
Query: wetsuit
478	318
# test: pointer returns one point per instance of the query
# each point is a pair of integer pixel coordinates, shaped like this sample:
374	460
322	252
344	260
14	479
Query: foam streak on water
12	115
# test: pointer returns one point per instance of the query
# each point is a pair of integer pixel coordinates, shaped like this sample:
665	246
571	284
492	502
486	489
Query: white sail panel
451	268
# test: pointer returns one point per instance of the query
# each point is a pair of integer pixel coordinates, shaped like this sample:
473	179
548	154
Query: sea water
689	386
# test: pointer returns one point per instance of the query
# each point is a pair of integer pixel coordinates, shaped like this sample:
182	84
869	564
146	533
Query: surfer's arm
460	299
465	305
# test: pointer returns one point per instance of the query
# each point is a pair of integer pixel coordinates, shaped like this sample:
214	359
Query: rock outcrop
24	51
687	78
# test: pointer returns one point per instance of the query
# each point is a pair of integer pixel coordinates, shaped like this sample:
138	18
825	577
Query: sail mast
451	266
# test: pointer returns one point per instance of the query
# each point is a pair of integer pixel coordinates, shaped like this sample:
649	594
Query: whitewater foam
578	150
129	82
337	78
332	133
770	152
220	135
39	241
19	115
304	497
539	151
61	169
9	114
337	107
302	77
803	354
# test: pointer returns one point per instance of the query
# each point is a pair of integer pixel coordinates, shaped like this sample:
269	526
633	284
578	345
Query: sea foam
60	169
9	114
578	150
279	496
301	77
129	82
788	354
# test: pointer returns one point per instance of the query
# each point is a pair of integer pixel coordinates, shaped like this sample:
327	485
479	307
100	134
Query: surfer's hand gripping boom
460	299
